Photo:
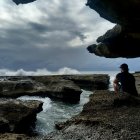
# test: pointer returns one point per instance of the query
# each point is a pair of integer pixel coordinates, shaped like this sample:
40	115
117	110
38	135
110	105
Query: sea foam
44	71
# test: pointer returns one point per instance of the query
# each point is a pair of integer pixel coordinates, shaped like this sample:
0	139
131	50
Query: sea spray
56	111
38	72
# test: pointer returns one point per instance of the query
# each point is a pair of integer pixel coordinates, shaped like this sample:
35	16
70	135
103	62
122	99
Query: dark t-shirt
127	82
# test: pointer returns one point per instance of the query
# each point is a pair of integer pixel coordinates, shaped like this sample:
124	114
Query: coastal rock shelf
106	117
16	87
64	87
18	116
84	81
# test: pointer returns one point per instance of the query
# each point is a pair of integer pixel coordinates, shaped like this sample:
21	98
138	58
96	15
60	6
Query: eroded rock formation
84	81
124	39
17	116
64	87
14	87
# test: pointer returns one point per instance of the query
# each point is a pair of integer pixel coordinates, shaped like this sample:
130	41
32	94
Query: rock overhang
124	39
23	1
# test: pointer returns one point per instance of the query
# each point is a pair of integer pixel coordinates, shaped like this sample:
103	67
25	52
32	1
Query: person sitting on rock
125	82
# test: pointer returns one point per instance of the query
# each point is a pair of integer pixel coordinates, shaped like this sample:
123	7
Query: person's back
126	80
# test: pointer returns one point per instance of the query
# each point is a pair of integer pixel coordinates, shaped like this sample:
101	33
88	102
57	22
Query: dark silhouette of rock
124	13
124	39
23	1
18	116
117	43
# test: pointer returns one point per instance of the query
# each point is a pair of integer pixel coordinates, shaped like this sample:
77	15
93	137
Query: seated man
125	82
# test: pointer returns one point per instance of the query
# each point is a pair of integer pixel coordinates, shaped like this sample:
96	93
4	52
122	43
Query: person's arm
116	85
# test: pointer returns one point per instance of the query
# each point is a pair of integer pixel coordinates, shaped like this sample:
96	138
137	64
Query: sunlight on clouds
18	15
77	42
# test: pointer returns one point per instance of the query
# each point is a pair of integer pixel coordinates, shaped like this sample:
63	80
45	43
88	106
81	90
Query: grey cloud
39	27
38	35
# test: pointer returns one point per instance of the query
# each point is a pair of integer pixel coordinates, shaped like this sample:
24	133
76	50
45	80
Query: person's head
124	67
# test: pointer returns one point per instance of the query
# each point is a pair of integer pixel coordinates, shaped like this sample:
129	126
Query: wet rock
18	116
65	90
106	116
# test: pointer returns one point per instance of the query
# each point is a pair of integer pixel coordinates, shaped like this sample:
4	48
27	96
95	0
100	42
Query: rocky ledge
106	116
17	116
84	81
64	87
16	87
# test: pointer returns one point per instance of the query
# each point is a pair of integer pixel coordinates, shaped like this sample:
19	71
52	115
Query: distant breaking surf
44	71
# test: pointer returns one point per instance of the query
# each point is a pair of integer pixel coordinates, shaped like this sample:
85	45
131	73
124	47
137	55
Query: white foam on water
46	101
43	71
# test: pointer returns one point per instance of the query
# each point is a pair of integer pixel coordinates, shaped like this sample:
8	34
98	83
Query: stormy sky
53	34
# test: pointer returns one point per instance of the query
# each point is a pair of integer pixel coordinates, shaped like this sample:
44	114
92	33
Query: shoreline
93	119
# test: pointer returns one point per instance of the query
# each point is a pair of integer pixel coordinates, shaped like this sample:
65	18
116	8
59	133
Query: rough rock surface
124	39
106	117
64	87
65	90
117	43
18	116
137	77
10	136
15	87
85	81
